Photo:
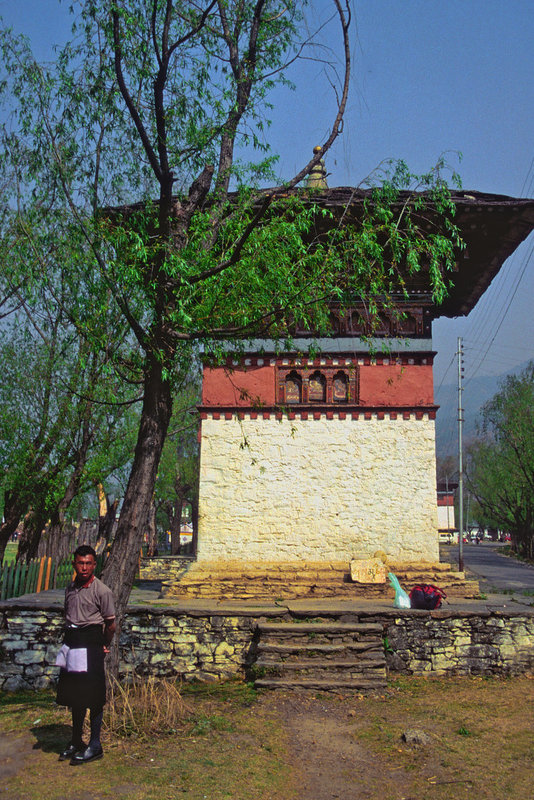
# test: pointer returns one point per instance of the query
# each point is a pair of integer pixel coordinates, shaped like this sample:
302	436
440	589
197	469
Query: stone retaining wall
164	568
209	643
488	644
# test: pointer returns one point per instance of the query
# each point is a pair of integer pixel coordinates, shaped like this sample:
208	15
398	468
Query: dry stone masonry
487	644
208	641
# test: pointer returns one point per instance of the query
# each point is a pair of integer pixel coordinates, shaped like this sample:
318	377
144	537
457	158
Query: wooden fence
38	576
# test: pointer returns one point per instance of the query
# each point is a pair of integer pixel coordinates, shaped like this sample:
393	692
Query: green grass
463	731
10	552
222	751
213	722
512	592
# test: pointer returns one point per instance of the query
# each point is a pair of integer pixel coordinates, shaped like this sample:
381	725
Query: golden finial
317	177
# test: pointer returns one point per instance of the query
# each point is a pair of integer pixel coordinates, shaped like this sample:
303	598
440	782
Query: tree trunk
58	537
34	524
58	540
103	502
194	521
152	532
87	533
121	567
106	520
175	519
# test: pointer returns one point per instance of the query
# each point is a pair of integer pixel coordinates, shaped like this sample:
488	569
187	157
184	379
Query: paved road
495	572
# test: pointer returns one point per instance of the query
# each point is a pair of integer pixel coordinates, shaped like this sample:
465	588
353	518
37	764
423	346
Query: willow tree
140	141
500	466
64	424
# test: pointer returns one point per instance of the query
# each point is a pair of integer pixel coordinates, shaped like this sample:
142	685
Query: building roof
446	487
491	225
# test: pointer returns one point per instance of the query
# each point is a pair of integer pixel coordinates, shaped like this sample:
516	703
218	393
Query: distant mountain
476	392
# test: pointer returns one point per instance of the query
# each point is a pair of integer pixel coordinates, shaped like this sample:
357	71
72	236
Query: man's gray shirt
88	605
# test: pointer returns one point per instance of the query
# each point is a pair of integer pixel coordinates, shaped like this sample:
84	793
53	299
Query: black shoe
71	751
91	753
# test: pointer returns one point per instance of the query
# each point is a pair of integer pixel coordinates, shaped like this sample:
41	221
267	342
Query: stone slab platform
207	639
144	599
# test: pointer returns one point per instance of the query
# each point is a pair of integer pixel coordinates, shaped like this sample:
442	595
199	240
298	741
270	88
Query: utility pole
447	495
460	460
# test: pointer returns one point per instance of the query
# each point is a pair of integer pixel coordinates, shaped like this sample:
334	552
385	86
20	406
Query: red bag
424	595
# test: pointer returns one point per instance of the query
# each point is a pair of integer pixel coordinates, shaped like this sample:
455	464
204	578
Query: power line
499	302
503	316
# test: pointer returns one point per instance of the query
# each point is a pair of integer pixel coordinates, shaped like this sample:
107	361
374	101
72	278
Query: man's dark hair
84	550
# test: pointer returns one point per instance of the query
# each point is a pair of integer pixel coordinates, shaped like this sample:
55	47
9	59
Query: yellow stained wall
317	490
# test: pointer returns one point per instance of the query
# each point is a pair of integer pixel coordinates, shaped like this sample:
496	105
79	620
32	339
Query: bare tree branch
143	135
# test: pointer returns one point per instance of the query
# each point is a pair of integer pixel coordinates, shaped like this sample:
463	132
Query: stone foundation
164	568
212	641
231	580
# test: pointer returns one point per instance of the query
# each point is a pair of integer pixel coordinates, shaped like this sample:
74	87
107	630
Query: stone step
288	650
318	649
311	579
323	654
335	672
258	571
305	628
321	685
286	587
305	664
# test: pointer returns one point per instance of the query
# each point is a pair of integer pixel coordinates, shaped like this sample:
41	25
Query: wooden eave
492	226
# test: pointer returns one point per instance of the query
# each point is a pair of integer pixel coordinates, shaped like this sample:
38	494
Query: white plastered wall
446	520
317	490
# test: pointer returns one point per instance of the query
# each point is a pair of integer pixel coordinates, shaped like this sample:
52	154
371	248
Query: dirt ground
477	741
475	734
334	762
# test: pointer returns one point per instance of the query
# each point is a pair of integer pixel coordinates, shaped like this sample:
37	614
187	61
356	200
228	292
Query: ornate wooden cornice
348	359
315	412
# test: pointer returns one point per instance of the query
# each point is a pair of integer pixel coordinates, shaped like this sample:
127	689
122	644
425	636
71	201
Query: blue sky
428	77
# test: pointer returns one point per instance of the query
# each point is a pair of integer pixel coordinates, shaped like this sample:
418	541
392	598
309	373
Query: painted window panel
340	388
317	388
293	386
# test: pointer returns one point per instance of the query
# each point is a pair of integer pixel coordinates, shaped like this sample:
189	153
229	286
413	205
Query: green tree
500	467
129	163
61	425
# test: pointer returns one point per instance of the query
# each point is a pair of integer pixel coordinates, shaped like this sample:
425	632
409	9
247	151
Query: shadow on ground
51	738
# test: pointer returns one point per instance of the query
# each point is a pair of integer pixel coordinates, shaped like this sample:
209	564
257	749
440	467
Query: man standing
89	629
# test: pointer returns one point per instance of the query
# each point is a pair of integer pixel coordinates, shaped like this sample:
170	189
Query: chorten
311	461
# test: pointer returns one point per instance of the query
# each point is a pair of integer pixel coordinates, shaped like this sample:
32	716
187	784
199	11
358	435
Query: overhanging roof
491	225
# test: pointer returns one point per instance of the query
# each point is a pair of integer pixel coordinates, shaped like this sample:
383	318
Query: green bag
402	599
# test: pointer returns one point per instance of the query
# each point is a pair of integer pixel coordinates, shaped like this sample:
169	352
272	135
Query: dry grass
145	708
231	743
223	749
479	740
